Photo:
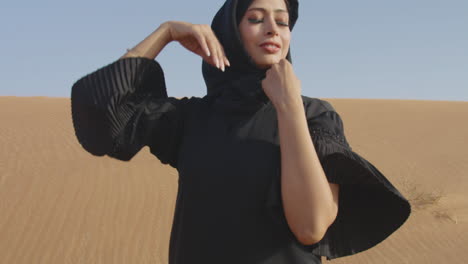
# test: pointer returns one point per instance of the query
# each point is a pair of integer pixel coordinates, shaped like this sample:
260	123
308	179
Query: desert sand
59	204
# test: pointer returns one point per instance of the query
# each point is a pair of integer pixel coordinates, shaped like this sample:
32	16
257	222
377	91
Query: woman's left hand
282	87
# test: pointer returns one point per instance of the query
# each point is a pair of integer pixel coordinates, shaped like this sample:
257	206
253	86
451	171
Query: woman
265	174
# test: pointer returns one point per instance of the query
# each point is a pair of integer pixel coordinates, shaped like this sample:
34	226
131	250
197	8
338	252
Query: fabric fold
370	208
122	107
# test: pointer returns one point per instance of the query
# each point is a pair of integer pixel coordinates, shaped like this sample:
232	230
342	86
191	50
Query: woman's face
265	33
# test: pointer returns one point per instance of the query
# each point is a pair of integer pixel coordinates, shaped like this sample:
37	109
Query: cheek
250	40
286	42
250	35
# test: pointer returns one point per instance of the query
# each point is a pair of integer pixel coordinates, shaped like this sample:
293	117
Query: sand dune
59	204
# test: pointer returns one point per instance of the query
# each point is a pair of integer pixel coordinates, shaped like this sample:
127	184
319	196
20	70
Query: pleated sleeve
122	107
370	208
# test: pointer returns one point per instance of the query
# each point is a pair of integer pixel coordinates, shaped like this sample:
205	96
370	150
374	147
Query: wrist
289	107
165	30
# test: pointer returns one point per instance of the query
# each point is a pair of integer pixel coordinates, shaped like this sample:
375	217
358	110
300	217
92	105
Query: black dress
228	207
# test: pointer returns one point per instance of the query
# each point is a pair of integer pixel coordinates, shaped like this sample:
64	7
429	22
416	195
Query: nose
272	33
272	27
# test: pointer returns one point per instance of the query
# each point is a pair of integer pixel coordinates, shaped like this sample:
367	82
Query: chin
267	63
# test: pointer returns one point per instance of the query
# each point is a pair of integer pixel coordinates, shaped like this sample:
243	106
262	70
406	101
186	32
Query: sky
399	49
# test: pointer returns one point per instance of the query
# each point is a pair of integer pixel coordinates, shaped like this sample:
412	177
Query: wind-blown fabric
226	149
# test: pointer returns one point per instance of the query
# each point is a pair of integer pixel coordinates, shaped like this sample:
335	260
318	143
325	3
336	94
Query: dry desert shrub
418	197
445	215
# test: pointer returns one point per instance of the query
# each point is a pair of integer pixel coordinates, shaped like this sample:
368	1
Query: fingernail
228	63
217	63
222	67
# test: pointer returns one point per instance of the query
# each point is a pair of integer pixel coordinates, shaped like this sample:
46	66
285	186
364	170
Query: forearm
306	193
152	45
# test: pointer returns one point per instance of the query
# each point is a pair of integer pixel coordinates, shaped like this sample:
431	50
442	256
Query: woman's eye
282	23
255	21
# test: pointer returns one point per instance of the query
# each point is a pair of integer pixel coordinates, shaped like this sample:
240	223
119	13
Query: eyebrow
264	10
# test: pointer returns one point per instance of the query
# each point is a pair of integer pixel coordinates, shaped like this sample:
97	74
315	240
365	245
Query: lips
270	46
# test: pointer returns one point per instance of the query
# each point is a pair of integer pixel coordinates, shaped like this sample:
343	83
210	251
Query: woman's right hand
201	40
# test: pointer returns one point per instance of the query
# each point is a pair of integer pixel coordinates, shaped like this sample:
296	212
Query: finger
219	54
209	54
202	42
214	55
206	30
225	59
281	63
228	63
222	56
274	67
219	48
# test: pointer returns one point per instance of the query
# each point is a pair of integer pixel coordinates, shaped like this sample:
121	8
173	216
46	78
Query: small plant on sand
445	215
418	197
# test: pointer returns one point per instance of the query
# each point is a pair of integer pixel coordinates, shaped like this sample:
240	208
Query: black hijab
238	89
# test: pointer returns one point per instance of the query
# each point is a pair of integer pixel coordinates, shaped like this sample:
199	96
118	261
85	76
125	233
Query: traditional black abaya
226	149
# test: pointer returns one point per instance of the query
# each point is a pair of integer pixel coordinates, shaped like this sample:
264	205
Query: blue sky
399	49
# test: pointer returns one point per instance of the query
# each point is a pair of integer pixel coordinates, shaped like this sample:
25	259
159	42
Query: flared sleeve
122	107
370	208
